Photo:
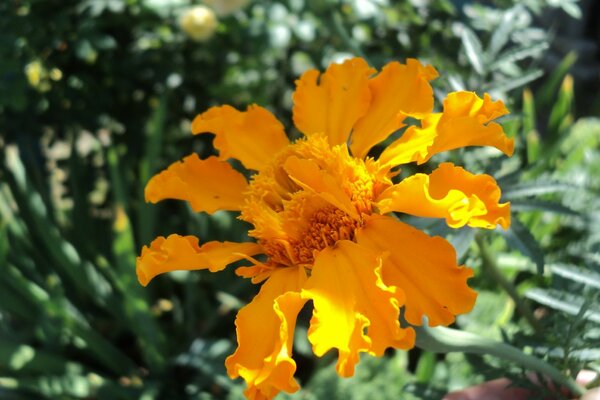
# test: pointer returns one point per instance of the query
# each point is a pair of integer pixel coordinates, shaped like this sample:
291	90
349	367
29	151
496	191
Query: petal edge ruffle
253	136
208	185
183	253
331	103
265	331
423	267
354	311
398	91
465	121
449	192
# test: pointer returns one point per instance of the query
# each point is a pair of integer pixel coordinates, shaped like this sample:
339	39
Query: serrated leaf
519	53
519	237
577	274
502	34
510	84
473	50
562	301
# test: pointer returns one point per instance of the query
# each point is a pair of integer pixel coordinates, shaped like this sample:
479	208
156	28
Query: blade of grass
134	298
148	164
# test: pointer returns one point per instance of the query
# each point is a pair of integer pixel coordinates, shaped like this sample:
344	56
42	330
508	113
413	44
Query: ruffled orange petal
464	122
183	253
265	332
354	311
423	267
208	185
332	104
398	91
253	136
450	192
308	175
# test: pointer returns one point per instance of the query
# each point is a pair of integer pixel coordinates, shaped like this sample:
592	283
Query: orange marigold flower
320	210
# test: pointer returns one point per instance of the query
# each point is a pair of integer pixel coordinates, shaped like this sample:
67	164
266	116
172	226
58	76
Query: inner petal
354	311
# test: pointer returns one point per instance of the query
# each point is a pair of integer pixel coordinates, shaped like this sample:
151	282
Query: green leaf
542	205
425	367
519	237
535	188
577	274
3	243
473	50
510	84
26	359
562	106
135	303
501	35
562	301
513	55
461	240
152	149
547	94
61	254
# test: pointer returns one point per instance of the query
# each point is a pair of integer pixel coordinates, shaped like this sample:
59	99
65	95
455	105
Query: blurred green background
97	95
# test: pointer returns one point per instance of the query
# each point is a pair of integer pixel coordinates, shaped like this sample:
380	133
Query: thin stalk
444	340
491	268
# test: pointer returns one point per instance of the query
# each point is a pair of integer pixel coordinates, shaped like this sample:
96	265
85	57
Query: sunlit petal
253	136
354	311
183	253
465	121
208	185
449	192
423	267
332	103
399	91
265	332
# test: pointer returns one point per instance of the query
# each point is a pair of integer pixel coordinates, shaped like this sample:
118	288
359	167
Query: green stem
491	268
444	340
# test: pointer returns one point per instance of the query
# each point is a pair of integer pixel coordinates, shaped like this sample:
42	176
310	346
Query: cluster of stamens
293	224
326	227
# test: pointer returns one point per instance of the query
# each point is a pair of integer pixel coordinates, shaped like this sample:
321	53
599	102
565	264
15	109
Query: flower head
321	211
199	23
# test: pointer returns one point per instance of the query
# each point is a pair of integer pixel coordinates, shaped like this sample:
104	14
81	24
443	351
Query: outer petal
464	122
265	331
398	91
208	185
309	176
349	297
332	105
253	136
183	253
449	192
423	267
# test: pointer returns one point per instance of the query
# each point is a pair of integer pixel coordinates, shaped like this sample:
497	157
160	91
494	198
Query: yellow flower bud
199	23
34	71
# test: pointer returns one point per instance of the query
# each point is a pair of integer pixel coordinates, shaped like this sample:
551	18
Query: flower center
292	220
